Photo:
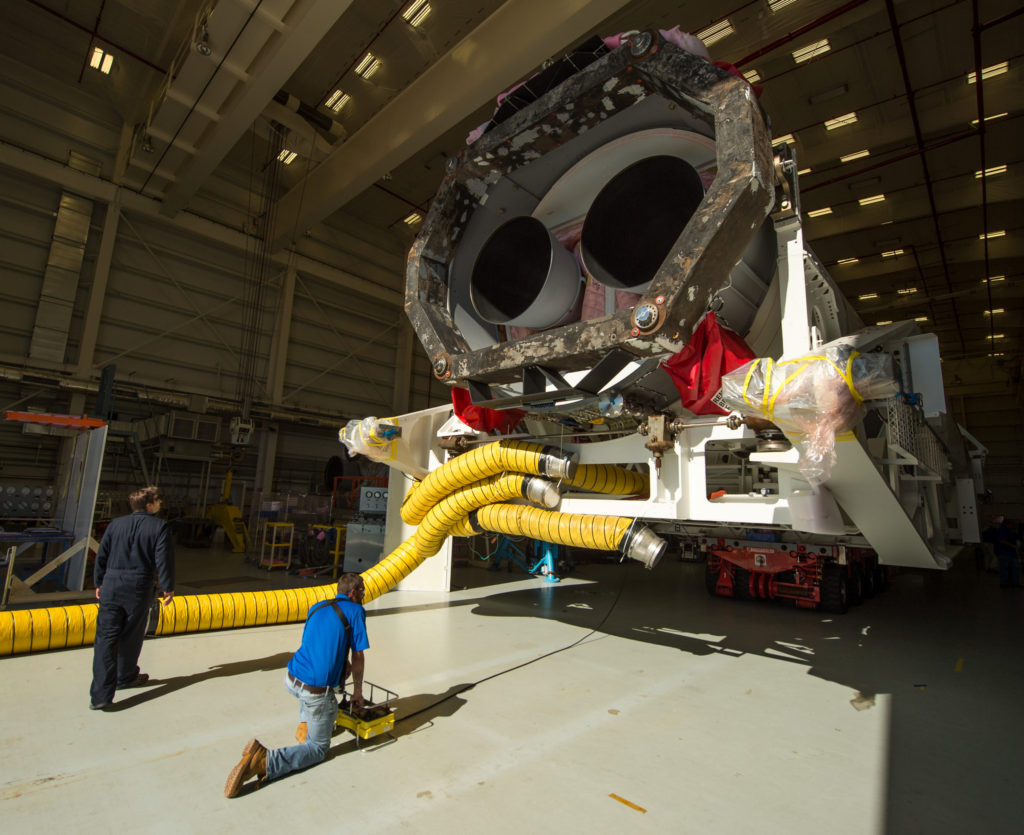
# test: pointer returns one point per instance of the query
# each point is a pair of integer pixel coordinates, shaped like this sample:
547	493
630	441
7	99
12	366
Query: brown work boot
301	732
252	764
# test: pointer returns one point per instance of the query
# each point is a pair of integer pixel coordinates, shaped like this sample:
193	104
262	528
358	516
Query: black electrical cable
577	642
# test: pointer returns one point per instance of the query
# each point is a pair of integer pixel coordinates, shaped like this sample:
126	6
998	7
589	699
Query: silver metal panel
364	545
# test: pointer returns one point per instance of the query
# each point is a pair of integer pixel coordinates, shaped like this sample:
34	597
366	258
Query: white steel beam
492	57
306	24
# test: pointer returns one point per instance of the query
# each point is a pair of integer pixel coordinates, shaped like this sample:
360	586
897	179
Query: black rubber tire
741	583
854	585
834	597
869	580
710	578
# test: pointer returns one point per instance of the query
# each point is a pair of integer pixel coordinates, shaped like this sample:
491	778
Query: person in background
1004	543
134	550
320	664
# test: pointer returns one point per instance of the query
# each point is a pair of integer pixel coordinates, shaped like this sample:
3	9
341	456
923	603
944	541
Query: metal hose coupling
541	491
644	545
558	465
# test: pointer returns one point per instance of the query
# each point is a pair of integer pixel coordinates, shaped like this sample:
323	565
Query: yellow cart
377	716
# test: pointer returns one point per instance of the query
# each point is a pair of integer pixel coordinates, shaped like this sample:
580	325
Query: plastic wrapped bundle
812	399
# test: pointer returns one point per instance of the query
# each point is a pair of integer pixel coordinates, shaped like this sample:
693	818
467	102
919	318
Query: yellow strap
786	382
746	381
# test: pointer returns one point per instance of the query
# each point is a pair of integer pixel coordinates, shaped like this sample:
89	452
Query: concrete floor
616	700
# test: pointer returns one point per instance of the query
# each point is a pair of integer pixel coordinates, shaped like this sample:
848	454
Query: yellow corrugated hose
455	498
478	464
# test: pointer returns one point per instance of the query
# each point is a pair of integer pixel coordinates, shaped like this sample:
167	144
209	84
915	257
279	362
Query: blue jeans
319	712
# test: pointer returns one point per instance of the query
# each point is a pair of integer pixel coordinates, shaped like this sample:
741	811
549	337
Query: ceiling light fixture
920	318
368	66
337	100
416	12
715	32
841	121
803	171
102	61
993	279
812	50
995	310
855	155
775	5
752	76
884	322
989	72
848	260
820	212
874	198
865	297
287	157
413	218
785	139
906	291
1001	233
996	336
990	172
892	253
203	44
974	122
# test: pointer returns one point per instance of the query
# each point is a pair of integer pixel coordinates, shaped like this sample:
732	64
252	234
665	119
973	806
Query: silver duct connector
541	491
644	545
558	465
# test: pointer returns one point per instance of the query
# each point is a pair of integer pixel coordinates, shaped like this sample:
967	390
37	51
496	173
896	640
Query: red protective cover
697	370
483	419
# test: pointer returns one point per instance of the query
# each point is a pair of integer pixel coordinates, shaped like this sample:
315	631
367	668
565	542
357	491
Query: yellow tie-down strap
374	439
768	397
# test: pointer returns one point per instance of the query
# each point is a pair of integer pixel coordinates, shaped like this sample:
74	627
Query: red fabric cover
483	419
697	369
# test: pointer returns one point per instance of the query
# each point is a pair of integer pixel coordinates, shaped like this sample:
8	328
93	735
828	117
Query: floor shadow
159	687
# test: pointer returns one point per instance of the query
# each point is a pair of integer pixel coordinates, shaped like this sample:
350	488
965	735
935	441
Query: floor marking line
625	802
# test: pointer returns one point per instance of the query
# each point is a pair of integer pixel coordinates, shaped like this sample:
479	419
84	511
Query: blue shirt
320	659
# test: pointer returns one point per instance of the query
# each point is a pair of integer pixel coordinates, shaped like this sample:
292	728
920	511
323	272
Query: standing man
333	627
134	550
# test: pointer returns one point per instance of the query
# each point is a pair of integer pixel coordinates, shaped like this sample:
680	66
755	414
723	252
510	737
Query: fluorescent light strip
287	157
990	172
752	76
989	72
368	66
974	122
892	253
848	261
416	12
775	5
920	318
874	198
1001	233
337	100
907	291
866	297
715	32
785	139
841	121
884	322
820	212
812	50
413	218
855	155
995	310
803	171
993	279
996	336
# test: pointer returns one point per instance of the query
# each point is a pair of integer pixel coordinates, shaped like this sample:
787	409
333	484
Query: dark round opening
637	217
511	269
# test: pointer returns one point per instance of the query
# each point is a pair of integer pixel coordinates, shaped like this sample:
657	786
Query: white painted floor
619	700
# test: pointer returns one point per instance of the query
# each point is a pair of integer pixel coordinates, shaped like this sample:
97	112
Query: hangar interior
207	209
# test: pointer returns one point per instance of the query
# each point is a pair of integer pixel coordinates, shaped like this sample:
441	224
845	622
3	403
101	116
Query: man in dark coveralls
333	627
134	550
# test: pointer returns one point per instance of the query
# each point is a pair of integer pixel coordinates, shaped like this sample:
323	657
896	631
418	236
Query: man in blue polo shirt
333	627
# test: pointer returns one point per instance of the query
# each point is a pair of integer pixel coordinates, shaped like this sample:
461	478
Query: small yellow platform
377	716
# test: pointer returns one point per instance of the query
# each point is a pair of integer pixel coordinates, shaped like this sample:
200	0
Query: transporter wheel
834	593
710	578
741	583
854	585
869	577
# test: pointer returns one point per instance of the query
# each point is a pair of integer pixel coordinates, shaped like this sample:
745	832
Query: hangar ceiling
912	198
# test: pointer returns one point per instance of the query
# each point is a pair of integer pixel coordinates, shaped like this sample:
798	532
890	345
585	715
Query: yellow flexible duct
609	478
478	464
